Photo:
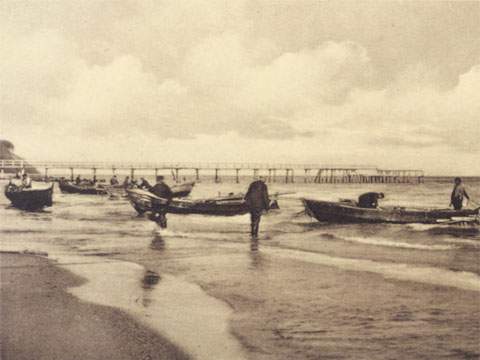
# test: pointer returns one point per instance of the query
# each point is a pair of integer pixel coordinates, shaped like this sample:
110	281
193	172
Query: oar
474	202
283	193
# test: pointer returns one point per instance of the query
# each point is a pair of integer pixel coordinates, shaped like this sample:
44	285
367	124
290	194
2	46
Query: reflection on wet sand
158	243
149	280
256	257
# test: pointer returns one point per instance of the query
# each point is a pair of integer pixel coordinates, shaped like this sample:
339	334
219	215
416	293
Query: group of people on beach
127	182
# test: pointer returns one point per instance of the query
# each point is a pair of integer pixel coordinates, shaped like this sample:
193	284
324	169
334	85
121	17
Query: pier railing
316	173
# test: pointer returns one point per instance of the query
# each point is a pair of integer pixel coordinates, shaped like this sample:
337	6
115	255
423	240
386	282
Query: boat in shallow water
29	198
144	201
82	188
349	212
179	191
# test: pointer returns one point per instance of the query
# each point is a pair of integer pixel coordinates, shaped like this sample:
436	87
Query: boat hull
69	188
179	191
30	199
143	202
337	212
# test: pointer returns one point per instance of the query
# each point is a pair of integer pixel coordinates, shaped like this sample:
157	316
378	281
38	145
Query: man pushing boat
370	200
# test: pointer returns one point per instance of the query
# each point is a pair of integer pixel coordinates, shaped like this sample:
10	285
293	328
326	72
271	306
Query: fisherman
458	193
257	201
114	180
370	200
127	183
78	180
163	191
144	184
26	181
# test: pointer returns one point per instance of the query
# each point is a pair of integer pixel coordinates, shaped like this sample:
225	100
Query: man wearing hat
163	191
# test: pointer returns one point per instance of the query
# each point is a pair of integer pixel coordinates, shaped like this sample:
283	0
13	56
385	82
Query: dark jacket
368	200
257	196
162	190
459	193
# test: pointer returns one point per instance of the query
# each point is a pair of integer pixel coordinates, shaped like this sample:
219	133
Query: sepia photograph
239	180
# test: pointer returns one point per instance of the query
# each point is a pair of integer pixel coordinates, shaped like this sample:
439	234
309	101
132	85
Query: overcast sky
393	84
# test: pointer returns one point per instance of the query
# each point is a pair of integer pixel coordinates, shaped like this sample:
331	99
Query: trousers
457	203
255	216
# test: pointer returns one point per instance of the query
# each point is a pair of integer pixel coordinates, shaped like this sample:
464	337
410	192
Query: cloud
184	72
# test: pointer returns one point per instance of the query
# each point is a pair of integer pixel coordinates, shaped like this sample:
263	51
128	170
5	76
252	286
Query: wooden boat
144	201
29	199
349	212
180	190
85	189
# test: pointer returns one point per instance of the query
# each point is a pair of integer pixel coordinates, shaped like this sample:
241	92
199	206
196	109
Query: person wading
257	201
163	191
458	193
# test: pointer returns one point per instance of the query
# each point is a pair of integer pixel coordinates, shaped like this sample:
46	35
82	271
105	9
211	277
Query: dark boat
349	212
144	201
85	189
179	191
29	199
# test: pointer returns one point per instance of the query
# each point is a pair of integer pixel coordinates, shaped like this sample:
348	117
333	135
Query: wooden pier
286	173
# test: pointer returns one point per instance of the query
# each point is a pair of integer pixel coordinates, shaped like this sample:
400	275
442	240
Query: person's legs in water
160	217
255	217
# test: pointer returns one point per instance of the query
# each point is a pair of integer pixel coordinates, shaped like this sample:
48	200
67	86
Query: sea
303	290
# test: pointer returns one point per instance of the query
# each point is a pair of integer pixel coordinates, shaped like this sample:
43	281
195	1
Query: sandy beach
41	320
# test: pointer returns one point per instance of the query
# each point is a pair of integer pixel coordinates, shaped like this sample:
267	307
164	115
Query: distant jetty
273	172
7	154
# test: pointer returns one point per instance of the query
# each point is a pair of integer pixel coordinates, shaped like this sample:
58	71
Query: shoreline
41	317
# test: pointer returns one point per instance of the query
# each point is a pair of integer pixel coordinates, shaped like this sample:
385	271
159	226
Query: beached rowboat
348	212
31	198
144	201
84	189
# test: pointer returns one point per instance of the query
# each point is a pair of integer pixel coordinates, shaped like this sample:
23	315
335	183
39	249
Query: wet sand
41	320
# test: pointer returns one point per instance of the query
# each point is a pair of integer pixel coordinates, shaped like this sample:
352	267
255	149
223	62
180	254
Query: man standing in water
163	191
258	201
458	193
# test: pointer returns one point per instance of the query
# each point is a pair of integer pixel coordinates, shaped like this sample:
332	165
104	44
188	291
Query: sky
391	84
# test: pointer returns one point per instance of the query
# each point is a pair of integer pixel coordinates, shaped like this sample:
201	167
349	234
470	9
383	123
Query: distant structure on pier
286	173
